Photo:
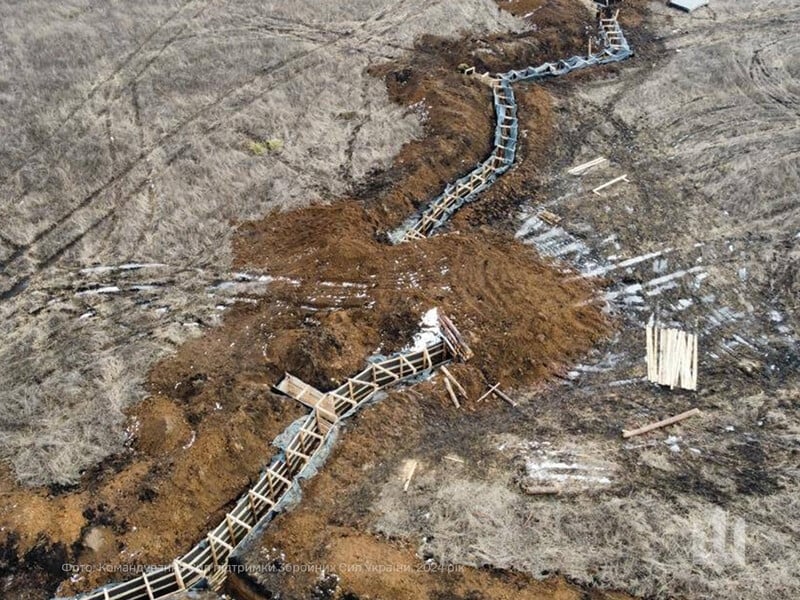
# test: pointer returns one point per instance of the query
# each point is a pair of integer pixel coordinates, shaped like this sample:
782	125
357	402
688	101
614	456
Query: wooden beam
582	168
489	392
455	382
599	188
660	424
411	468
500	394
451	392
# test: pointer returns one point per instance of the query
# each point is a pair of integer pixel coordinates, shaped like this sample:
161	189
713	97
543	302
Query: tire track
233	91
96	88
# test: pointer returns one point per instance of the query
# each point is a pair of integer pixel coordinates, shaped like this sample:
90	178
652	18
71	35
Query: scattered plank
616	180
582	168
663	423
549	217
500	394
454	381
451	392
489	393
454	458
409	468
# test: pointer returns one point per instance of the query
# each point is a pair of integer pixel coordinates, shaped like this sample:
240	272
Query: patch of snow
109	289
122	267
429	332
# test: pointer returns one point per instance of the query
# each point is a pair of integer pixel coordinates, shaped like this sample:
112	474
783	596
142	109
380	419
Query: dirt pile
522	317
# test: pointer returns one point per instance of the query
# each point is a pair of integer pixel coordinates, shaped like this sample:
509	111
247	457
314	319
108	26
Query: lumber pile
453	339
672	357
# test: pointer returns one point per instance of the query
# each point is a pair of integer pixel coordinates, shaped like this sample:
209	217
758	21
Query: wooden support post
261	498
176	570
426	355
147	587
403	359
660	424
382	369
213	551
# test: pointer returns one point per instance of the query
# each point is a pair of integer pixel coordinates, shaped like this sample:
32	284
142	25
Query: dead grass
644	543
122	140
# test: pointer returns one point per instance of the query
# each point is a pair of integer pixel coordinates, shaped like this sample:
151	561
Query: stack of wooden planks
452	337
672	357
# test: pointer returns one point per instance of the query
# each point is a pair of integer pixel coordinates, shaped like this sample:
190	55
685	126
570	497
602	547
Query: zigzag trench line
208	561
467	188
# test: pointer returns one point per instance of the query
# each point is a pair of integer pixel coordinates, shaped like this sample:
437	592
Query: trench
305	444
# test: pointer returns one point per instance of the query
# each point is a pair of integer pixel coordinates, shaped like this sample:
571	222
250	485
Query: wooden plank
176	570
451	392
489	392
410	468
455	382
382	369
694	363
607	184
660	424
580	169
298	389
500	394
147	587
453	336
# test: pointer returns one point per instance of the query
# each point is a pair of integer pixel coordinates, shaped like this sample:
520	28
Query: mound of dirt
522	318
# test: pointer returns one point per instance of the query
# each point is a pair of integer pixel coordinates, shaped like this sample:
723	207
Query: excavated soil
340	293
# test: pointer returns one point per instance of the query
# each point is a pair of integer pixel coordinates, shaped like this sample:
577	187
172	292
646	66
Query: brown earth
203	434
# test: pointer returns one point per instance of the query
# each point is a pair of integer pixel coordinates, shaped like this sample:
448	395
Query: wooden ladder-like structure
466	189
208	560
